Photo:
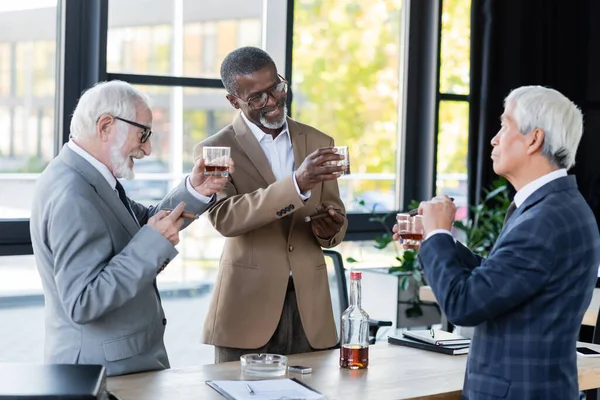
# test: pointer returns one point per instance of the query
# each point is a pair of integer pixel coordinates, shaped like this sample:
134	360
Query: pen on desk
186	215
415	211
432	332
250	390
321	215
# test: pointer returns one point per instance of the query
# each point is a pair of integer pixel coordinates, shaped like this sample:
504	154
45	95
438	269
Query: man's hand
327	227
208	185
314	170
438	213
168	223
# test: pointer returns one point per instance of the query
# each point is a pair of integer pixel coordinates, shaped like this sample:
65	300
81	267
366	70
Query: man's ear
535	141
233	101
103	127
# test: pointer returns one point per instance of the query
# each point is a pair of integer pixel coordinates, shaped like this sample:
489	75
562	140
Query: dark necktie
123	198
509	211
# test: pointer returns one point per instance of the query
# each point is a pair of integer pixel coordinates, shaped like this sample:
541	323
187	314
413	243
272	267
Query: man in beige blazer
272	291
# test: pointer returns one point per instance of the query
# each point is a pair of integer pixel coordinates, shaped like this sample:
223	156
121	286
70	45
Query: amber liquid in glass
216	170
354	356
411	236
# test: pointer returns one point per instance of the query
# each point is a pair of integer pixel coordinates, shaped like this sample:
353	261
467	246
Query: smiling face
124	144
272	115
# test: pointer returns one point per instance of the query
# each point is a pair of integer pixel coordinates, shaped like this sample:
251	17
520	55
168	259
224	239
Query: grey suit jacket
98	269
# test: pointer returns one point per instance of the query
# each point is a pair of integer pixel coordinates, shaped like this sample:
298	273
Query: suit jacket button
279	213
290	248
291	206
164	321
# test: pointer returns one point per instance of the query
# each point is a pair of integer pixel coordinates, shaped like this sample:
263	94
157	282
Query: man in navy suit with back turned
527	299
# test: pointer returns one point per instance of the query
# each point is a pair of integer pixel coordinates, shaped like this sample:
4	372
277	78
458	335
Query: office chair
342	290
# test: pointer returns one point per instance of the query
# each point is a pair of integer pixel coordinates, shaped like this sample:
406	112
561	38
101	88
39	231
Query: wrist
303	189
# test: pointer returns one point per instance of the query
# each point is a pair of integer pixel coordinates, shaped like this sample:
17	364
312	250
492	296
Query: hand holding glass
343	151
410	229
216	160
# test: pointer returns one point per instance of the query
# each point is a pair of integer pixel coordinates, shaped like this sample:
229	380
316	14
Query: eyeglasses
260	100
147	131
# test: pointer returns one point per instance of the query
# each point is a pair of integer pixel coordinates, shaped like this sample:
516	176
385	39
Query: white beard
119	163
277	124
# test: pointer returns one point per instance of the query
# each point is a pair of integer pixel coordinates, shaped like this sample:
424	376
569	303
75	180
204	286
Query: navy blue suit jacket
527	299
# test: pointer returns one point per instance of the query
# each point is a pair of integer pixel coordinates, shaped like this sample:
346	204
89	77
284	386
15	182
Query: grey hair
242	61
559	118
116	98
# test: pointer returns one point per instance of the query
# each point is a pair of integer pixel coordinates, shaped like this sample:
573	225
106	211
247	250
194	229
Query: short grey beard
276	124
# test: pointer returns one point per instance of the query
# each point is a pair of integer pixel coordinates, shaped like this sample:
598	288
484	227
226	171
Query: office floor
22	332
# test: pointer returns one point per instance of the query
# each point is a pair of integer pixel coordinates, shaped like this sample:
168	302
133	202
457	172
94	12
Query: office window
27	85
27	144
346	67
192	43
453	106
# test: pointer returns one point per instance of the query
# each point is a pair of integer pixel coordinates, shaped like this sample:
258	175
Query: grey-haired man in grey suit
98	253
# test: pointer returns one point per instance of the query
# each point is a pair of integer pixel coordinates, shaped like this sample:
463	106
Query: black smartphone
301	369
587	352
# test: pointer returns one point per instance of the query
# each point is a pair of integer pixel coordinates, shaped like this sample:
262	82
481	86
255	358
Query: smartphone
587	352
301	369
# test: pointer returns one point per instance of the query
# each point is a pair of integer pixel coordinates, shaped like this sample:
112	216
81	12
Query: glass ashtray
263	364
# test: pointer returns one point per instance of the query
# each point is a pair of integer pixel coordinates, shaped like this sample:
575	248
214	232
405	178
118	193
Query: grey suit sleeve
91	279
175	196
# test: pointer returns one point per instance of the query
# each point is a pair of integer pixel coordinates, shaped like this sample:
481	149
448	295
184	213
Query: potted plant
479	232
405	267
487	219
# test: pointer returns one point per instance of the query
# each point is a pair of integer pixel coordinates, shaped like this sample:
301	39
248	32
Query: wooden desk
589	318
395	372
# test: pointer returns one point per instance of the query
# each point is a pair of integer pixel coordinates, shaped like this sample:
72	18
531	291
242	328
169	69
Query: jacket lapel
298	142
299	147
101	186
252	148
557	185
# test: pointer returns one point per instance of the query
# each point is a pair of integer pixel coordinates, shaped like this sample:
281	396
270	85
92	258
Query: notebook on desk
451	349
436	337
269	389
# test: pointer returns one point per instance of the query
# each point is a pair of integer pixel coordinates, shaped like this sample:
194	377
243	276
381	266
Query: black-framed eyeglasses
261	99
146	133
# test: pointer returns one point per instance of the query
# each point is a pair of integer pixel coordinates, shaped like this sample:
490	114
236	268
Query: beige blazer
263	221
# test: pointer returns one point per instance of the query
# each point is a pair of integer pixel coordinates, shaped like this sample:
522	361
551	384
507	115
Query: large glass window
347	57
179	38
202	112
27	85
453	117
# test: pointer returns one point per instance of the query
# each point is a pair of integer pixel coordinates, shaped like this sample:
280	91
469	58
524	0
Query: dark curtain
516	43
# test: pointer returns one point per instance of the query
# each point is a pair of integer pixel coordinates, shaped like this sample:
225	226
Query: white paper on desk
271	389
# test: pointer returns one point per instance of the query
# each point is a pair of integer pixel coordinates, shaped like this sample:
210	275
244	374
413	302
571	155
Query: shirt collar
260	135
532	186
103	169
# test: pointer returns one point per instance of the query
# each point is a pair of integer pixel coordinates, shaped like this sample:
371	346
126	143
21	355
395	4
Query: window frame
81	50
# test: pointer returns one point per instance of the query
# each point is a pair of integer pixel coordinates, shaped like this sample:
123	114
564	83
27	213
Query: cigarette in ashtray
186	215
320	215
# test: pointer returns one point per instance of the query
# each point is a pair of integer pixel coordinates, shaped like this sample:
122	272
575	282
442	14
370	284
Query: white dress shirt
522	194
279	152
112	181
